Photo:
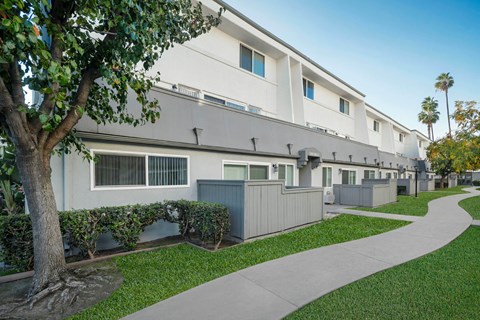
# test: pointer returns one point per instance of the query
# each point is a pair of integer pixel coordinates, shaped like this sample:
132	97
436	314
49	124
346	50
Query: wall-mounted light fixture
275	167
340	171
174	87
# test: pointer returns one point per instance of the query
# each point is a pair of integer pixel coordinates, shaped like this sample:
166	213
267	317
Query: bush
180	212
16	239
82	228
476	183
211	221
127	223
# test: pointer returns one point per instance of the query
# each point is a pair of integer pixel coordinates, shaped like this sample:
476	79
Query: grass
409	205
154	276
472	206
442	285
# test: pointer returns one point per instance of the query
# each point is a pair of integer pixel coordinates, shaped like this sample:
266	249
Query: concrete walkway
274	289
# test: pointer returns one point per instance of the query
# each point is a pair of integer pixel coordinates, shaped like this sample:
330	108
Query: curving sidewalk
274	289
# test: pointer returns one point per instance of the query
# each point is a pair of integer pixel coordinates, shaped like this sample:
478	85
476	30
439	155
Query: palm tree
444	82
429	114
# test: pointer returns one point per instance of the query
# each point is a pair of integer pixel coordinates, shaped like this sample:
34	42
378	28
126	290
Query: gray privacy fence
262	207
371	193
426	185
407	186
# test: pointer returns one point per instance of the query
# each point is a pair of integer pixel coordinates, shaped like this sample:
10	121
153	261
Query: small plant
476	183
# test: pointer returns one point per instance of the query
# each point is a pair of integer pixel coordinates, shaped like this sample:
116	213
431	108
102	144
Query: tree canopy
82	57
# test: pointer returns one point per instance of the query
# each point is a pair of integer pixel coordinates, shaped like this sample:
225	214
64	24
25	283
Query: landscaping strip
472	206
156	275
442	285
411	206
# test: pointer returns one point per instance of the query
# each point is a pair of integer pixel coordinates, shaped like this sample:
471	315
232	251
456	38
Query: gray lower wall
263	207
366	195
427	185
409	184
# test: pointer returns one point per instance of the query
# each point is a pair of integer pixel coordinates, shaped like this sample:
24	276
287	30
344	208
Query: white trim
294	171
253	60
247	164
331	177
135	153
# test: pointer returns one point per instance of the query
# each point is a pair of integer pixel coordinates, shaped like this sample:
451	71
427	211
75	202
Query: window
349	177
376	126
132	170
388	175
285	172
213	99
257	172
344	106
369	174
167	171
400	137
235	172
327	177
224	102
308	89
252	61
245	171
419	144
118	170
395	175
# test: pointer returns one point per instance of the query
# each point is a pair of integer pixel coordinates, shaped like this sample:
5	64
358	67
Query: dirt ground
99	281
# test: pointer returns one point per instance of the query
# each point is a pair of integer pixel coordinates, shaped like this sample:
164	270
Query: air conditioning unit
329	197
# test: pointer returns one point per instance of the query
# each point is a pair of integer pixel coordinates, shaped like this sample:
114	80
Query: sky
391	50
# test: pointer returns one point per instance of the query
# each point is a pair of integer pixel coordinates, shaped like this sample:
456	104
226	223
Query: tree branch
48	102
73	115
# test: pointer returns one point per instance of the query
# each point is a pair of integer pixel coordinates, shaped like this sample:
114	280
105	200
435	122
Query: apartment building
238	103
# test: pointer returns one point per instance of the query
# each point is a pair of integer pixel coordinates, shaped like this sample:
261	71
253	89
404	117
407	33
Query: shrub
127	223
211	221
16	239
180	211
476	183
82	228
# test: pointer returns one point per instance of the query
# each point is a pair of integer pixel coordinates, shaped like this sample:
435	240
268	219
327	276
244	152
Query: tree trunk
448	114
433	137
48	249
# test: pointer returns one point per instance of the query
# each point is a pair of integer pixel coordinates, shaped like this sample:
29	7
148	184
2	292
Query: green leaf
43	118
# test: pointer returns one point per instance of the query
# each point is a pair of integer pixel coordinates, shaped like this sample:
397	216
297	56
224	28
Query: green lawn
409	205
153	276
442	285
472	206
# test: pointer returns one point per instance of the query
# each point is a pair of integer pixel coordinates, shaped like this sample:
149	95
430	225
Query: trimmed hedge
16	240
82	228
210	221
476	183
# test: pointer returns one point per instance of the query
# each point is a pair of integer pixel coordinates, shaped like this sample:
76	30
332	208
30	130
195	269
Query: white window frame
331	177
356	175
287	164
253	61
247	163
134	153
369	170
304	91
339	100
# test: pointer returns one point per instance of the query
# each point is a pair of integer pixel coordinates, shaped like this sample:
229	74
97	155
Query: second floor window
252	61
308	89
376	126
400	137
344	106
